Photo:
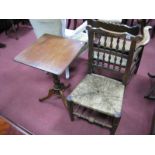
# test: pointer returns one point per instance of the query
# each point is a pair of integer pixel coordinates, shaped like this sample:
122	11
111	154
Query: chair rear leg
140	57
70	109
115	122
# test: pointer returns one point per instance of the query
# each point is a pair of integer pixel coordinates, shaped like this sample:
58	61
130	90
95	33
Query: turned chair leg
68	105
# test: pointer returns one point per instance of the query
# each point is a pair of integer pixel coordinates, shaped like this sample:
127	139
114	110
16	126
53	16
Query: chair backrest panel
115	27
110	50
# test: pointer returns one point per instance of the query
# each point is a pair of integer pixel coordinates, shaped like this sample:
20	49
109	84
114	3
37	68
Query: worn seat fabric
99	93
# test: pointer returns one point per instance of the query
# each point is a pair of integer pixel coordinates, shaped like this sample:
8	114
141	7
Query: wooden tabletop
50	53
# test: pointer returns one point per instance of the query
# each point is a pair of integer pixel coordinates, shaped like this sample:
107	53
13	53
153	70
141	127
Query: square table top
50	53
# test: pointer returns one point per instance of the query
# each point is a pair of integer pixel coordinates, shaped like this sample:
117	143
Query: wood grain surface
50	53
7	129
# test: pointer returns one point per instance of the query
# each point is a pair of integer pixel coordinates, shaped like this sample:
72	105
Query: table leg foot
63	98
50	93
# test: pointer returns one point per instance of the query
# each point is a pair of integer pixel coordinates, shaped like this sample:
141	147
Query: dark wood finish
70	105
14	28
95	35
112	47
141	22
118	54
74	23
115	122
151	93
56	90
68	23
52	54
10	26
115	27
135	30
99	119
152	131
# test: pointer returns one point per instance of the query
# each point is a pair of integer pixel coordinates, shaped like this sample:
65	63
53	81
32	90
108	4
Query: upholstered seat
99	93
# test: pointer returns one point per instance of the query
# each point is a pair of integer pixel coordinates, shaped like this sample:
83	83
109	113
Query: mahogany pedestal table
52	54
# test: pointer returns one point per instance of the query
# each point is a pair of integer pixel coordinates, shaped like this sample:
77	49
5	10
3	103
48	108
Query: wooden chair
97	98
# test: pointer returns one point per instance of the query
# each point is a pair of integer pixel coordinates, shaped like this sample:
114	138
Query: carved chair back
134	30
113	51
